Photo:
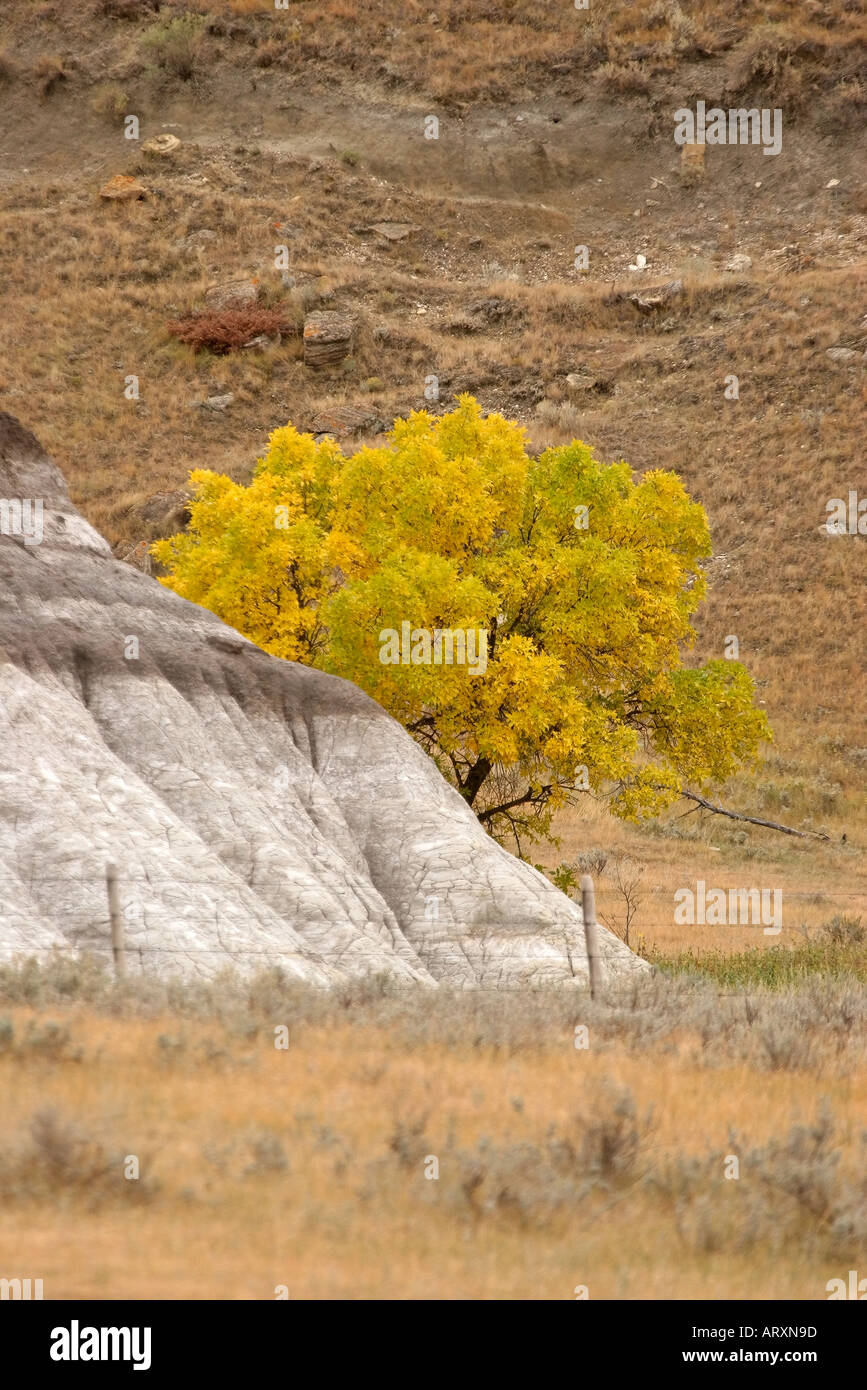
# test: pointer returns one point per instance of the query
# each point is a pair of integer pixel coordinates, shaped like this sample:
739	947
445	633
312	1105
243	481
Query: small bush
268	53
844	930
601	1151
592	861
624	78
560	415
222	330
51	1041
176	44
171	1048
408	1140
109	101
268	1153
611	1137
61	1159
49	72
796	1197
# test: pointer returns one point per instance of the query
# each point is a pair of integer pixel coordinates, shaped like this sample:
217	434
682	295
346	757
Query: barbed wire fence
105	932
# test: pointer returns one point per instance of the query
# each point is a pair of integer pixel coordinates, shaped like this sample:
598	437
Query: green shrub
176	44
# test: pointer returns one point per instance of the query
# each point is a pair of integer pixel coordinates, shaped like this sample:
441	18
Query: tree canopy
583	580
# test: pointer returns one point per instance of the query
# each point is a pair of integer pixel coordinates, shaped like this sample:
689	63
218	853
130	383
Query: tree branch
753	820
529	798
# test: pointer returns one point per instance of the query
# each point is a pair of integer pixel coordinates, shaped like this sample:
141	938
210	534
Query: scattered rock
794	259
139	557
692	161
581	382
262	342
218	402
394	231
232	294
461	324
739	262
123	188
161	144
494	309
841	354
167	512
328	338
341	420
832	183
640	263
652	301
306	294
195	242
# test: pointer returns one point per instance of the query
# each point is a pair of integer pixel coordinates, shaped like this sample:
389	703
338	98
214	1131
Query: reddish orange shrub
222	330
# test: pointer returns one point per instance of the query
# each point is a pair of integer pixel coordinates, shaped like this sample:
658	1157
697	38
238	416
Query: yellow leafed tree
577	584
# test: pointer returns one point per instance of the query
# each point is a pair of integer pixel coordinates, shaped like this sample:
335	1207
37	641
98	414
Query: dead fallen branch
754	820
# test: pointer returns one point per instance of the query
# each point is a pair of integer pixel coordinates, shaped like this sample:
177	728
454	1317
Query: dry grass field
559	1166
305	128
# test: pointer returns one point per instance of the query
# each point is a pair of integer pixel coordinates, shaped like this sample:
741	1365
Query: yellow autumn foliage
582	580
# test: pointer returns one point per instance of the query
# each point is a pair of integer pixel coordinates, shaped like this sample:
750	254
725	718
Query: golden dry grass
353	1110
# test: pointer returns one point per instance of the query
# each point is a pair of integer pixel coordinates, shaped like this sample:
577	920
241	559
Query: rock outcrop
259	812
328	338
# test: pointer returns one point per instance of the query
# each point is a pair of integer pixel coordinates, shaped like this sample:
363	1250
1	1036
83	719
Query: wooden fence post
114	915
591	937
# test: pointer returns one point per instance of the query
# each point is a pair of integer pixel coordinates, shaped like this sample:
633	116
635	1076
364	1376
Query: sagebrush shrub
176	44
844	929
